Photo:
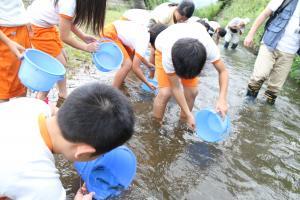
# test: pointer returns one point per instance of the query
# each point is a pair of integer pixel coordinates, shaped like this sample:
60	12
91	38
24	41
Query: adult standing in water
280	43
67	15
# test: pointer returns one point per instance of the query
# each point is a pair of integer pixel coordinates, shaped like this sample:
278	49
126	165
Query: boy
13	29
133	40
235	28
217	32
181	52
93	120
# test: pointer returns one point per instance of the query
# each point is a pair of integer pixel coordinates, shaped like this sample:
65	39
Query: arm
258	22
12	45
138	71
180	98
65	28
84	37
223	84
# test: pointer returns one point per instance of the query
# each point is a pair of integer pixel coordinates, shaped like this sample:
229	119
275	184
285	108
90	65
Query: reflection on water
260	160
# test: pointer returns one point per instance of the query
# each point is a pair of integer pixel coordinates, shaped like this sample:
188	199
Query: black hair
186	8
204	23
222	32
90	13
188	57
154	31
98	115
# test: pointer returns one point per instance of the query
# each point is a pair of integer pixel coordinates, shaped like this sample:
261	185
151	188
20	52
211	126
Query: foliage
251	9
150	4
209	12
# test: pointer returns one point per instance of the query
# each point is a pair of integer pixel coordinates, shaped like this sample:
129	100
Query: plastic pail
109	174
146	88
109	56
40	71
210	126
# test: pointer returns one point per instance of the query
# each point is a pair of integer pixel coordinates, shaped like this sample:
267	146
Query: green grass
209	12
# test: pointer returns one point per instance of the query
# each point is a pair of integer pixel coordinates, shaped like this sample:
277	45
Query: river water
260	159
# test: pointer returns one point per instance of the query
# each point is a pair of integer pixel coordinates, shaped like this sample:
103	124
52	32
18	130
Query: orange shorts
47	40
162	77
10	85
111	33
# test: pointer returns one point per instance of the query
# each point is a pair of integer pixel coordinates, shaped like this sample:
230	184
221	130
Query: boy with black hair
181	52
93	120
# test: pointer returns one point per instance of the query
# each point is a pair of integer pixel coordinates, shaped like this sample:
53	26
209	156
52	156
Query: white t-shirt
133	35
12	13
193	19
139	16
44	13
215	25
290	41
164	14
235	22
166	39
27	169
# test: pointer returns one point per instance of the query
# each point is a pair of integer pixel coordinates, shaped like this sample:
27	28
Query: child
14	38
133	40
217	32
172	13
67	15
181	52
234	29
94	119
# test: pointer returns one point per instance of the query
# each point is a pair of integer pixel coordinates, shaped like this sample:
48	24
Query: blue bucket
210	126
147	89
109	174
109	56
40	71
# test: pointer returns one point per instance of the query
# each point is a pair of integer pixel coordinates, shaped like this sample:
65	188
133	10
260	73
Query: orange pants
162	77
111	33
10	85
47	40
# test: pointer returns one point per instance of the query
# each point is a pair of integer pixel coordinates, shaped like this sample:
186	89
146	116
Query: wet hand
82	194
89	39
92	47
248	42
16	49
222	108
151	86
190	120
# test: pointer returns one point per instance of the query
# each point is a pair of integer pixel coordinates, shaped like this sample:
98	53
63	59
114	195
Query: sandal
60	101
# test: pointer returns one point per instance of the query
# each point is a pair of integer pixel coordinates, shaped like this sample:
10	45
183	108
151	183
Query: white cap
246	20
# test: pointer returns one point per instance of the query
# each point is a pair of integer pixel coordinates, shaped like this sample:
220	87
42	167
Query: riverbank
225	10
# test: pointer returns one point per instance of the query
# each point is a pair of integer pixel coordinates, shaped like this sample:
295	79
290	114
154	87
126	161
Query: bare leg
160	102
190	94
122	73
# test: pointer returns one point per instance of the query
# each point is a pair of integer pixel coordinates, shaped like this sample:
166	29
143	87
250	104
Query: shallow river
260	159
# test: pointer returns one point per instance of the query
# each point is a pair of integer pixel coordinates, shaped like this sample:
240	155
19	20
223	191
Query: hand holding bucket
210	126
108	57
109	174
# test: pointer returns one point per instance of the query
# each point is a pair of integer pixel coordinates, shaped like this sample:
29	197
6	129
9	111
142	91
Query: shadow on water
260	159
